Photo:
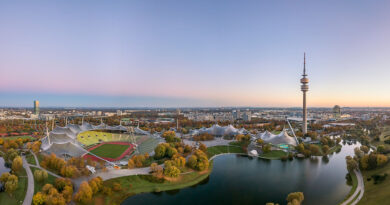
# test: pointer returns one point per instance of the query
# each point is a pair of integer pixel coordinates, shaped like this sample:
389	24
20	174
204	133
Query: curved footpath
30	186
217	155
359	192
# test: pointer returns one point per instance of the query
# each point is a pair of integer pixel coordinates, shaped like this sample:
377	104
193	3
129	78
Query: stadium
113	144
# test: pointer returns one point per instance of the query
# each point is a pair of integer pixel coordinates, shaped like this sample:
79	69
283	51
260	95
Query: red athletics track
126	152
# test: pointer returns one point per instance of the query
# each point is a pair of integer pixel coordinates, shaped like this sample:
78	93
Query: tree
171	151
300	148
266	148
364	162
192	160
314	149
39	199
325	149
171	171
202	147
381	160
260	141
351	164
96	184
359	153
67	193
4	177
364	148
295	198
198	161
12	184
159	151
61	183
84	195
130	164
10	155
170	136
381	149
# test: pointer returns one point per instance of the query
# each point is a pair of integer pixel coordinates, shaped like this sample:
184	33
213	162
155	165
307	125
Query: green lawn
16	137
110	150
274	154
140	184
239	143
354	185
211	151
19	194
376	193
38	186
30	159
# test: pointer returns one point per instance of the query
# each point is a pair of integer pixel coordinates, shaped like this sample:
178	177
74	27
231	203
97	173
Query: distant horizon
194	53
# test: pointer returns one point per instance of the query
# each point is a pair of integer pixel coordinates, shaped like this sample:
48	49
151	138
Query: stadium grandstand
82	140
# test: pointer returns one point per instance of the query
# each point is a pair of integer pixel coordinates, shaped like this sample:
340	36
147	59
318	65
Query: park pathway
30	186
359	192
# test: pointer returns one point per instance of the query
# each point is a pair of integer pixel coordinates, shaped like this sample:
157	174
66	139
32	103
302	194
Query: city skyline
140	54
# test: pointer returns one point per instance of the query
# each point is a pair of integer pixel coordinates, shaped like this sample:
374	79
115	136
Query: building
36	107
247	116
236	114
304	89
336	112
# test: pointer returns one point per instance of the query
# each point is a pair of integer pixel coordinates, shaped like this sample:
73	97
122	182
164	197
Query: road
359	190
30	186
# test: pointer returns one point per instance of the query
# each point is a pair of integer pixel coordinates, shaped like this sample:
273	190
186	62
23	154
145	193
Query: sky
153	53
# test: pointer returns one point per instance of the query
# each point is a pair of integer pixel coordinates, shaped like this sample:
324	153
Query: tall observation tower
304	88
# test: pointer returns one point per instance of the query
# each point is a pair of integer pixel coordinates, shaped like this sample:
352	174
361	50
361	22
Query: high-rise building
236	114
304	89
36	107
247	116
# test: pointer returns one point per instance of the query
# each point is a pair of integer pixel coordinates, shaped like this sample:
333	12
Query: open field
94	137
30	159
18	196
38	186
141	183
274	154
211	151
16	137
376	193
110	150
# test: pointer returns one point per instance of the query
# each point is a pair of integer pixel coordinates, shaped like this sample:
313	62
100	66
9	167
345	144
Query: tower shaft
304	89
304	114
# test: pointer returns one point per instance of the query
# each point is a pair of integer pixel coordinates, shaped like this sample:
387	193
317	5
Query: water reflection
239	180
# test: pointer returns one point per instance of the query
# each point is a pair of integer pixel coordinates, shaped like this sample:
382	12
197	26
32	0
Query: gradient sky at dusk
194	53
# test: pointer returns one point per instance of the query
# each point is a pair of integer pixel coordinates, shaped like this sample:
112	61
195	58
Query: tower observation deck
304	89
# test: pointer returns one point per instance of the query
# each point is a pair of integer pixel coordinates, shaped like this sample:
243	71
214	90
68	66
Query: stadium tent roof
282	138
218	130
62	138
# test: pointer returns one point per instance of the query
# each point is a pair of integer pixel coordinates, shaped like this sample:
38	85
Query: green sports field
110	150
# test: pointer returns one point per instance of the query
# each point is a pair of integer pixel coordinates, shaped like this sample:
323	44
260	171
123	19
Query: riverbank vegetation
295	198
373	163
221	149
131	185
274	154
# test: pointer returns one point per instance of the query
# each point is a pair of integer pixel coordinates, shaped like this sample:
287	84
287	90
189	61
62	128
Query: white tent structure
281	138
218	130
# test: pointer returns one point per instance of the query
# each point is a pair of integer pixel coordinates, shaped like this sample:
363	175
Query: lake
3	168
242	180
